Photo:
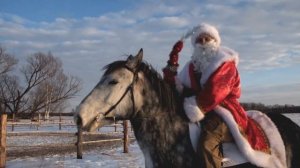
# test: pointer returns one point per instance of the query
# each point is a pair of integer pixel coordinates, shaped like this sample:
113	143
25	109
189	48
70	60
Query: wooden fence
125	140
4	125
61	123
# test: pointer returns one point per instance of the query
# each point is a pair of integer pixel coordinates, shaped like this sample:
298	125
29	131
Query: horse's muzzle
78	120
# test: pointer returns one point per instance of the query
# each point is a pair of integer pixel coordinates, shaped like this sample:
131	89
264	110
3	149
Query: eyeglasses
203	39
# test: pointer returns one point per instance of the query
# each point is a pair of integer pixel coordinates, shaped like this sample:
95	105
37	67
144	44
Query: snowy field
108	158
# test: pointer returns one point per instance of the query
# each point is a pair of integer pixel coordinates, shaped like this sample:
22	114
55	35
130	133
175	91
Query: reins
129	88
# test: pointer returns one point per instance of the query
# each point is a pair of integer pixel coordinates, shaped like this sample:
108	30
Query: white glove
192	110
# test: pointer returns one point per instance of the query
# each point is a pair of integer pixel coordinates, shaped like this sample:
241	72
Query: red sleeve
217	87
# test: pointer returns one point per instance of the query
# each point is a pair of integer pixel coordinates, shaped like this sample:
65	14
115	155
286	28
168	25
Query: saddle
240	151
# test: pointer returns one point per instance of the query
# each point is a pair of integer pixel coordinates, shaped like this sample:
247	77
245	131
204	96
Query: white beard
203	54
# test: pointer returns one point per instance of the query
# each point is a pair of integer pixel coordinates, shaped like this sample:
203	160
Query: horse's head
117	95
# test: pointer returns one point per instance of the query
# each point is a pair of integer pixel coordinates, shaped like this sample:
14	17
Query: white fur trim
195	132
261	159
272	133
205	28
224	55
192	110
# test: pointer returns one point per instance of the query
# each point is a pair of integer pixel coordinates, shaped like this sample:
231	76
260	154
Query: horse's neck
159	124
159	117
163	139
159	129
161	132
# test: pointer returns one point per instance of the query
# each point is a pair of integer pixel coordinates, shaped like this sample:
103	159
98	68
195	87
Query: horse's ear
140	55
134	62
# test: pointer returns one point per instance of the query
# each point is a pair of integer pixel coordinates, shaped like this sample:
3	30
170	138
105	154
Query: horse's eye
113	82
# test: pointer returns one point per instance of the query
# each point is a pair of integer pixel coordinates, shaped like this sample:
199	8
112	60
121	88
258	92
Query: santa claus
213	77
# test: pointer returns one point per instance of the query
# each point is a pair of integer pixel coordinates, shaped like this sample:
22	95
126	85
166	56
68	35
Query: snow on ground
108	158
294	117
29	140
111	158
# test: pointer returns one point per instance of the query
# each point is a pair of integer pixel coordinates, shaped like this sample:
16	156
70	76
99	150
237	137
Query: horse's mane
164	91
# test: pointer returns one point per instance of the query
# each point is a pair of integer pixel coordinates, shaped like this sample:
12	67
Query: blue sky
89	34
49	10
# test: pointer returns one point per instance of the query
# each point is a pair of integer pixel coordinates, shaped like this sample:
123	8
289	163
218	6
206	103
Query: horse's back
290	133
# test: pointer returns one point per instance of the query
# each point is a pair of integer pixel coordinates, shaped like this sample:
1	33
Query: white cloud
95	32
13	18
265	33
166	24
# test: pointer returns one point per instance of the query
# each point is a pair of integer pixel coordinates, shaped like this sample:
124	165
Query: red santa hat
200	29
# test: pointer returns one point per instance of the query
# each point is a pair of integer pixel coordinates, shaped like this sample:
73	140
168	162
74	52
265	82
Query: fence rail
62	123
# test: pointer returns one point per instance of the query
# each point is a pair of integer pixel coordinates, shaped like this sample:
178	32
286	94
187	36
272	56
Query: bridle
128	89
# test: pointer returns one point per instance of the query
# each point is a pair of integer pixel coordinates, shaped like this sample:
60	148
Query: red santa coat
219	89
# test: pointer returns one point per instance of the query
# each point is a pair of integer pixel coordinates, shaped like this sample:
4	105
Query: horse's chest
165	144
159	153
171	159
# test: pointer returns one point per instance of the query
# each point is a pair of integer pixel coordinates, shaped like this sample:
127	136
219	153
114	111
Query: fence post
79	143
13	122
38	124
126	143
115	126
3	123
60	121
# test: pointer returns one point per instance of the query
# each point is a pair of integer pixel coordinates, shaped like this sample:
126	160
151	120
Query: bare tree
44	82
52	94
39	67
8	92
7	61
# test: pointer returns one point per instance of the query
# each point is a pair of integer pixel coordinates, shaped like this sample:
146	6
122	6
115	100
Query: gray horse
133	90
